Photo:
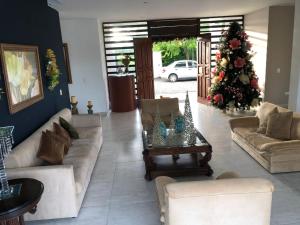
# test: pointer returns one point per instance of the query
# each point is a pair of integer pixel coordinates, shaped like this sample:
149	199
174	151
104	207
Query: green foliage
177	49
235	84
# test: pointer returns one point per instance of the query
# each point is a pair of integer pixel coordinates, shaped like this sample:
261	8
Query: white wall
89	79
256	26
294	98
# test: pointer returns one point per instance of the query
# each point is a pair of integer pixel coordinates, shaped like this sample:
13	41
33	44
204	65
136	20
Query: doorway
175	68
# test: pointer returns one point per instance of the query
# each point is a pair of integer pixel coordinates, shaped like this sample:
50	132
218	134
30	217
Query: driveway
175	89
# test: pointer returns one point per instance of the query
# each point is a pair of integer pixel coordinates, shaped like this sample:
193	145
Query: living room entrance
175	68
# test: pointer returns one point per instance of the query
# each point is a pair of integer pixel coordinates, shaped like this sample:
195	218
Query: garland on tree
234	83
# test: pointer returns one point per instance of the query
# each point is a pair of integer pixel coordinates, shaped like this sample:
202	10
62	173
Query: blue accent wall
32	22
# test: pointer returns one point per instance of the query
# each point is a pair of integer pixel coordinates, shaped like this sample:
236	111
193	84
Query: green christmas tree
234	83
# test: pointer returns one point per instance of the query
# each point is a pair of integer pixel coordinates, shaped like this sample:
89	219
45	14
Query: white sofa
231	201
64	185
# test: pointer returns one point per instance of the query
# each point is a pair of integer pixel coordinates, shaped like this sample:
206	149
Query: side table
13	209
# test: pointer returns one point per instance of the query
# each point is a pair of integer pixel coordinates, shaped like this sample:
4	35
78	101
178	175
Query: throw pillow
60	131
263	120
68	127
51	149
279	125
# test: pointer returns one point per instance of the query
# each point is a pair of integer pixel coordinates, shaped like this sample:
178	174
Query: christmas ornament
244	79
189	131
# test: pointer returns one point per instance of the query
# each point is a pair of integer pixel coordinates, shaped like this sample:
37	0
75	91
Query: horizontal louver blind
215	26
118	40
173	28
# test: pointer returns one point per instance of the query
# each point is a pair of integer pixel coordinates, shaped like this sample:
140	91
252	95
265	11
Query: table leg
15	221
149	165
203	162
21	220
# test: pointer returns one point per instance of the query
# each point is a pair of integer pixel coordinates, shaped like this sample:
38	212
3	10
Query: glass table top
173	139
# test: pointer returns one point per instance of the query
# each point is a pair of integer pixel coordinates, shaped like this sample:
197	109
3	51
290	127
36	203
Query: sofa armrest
249	121
59	197
281	147
86	120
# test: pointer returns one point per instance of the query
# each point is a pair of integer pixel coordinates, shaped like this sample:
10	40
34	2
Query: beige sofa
166	106
273	154
64	185
235	201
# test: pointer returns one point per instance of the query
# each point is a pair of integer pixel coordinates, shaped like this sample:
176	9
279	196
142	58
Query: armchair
166	106
231	201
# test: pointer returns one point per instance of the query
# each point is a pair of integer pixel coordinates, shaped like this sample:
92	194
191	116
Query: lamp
6	143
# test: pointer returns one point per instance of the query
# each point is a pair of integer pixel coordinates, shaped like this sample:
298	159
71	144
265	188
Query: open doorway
175	68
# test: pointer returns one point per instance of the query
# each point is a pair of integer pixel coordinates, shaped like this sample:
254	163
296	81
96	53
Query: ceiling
123	10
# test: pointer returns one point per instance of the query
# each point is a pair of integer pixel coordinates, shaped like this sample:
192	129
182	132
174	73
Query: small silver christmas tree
189	131
157	137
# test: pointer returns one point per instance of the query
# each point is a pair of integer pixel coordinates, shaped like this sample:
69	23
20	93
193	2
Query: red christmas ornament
221	75
239	62
234	43
218	98
254	83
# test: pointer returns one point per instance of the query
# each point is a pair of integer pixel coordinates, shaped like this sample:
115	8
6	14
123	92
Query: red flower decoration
221	75
239	62
244	35
218	98
248	45
208	98
218	55
234	43
214	70
254	83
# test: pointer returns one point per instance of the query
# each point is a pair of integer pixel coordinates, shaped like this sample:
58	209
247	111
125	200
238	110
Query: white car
181	69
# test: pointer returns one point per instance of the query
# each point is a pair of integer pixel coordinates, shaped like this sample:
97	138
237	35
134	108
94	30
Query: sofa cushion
81	157
59	130
279	125
257	140
252	137
264	115
52	148
71	130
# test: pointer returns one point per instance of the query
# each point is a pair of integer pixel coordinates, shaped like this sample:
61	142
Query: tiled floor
119	195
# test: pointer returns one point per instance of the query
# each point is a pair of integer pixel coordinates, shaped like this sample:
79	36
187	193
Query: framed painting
22	75
67	62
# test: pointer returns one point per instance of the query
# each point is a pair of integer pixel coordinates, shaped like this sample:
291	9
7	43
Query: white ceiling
122	10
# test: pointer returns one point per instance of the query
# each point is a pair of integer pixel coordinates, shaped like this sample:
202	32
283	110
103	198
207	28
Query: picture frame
22	75
67	63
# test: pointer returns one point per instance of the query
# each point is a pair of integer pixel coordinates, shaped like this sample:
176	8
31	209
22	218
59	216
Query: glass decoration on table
6	143
158	133
189	131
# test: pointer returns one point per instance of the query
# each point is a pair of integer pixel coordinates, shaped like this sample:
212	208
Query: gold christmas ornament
224	62
244	79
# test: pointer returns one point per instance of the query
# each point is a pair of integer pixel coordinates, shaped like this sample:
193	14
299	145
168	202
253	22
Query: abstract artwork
22	75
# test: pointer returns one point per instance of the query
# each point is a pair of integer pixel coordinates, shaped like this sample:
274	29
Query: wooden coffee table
176	160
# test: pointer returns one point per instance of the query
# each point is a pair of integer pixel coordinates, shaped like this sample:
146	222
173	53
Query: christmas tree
234	83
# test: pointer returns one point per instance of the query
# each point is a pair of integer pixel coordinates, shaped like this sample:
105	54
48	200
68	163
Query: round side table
13	209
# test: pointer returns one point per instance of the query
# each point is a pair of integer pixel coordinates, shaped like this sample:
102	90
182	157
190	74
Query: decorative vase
6	142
